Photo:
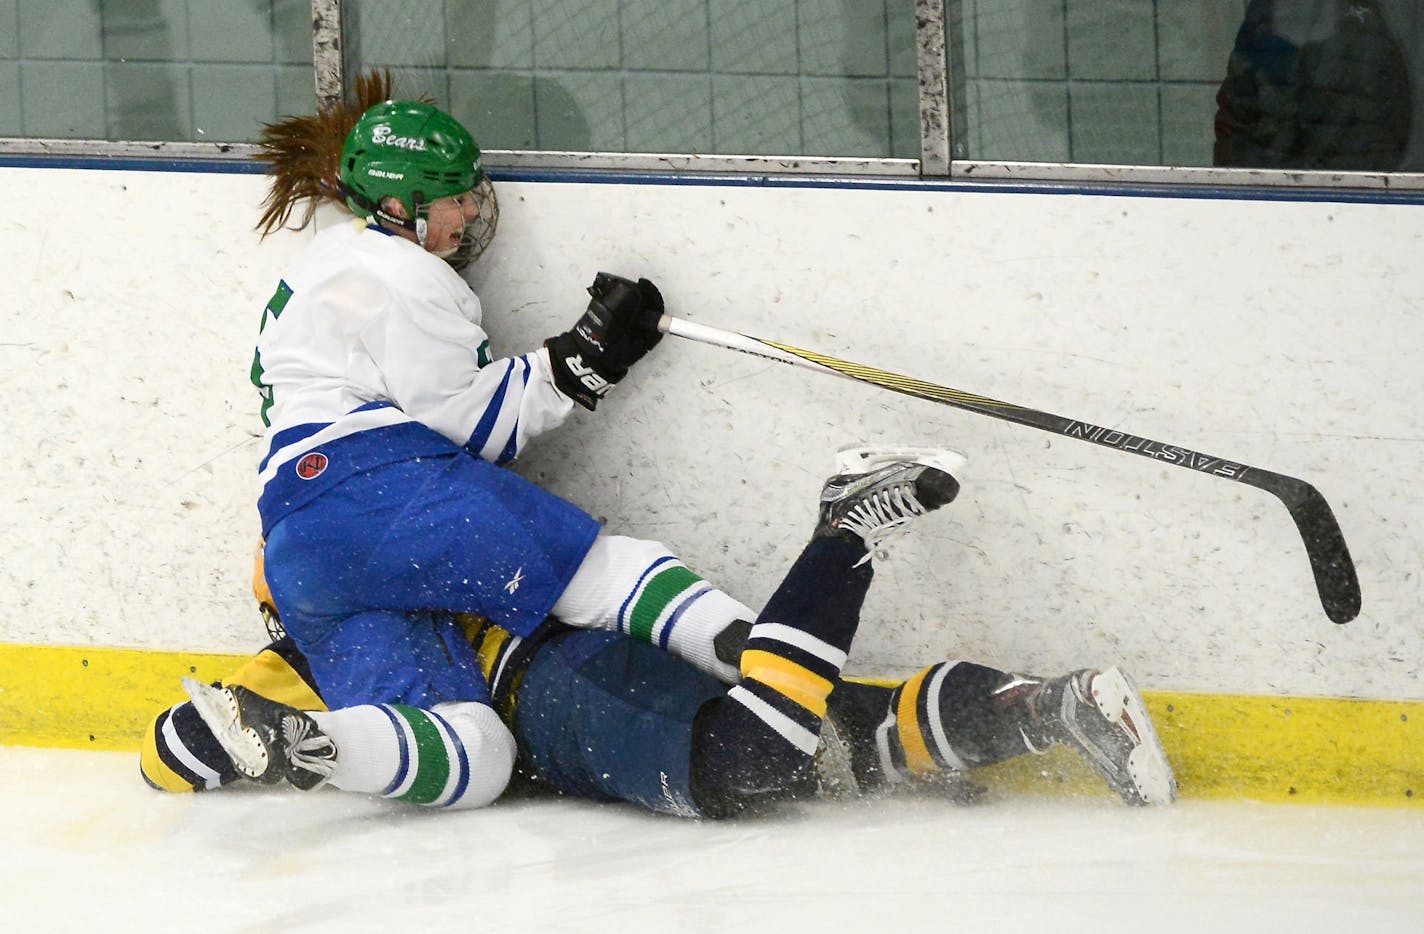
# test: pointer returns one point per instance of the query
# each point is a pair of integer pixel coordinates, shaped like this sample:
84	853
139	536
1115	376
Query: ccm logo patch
311	465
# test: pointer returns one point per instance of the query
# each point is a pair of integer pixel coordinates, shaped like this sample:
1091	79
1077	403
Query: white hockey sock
705	616
456	755
640	588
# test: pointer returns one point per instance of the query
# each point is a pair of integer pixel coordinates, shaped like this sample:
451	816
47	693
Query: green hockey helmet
411	151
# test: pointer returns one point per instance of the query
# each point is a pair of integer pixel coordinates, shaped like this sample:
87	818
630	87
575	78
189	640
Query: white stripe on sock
800	639
882	748
936	722
789	730
175	745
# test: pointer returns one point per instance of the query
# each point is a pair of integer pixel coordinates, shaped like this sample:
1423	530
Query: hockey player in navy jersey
603	716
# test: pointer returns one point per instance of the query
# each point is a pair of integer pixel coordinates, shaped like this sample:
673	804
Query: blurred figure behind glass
1314	84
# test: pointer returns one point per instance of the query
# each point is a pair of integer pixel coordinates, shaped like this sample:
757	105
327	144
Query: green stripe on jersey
275	304
661	590
431	759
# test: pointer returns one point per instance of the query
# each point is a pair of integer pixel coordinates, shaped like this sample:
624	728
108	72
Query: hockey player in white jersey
390	421
388	417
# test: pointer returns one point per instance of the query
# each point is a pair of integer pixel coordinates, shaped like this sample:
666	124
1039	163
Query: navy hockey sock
958	715
760	741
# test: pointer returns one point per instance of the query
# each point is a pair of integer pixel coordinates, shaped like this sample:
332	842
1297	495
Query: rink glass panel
807	77
177	70
1025	89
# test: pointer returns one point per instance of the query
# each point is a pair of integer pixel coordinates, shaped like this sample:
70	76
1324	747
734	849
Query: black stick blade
1330	561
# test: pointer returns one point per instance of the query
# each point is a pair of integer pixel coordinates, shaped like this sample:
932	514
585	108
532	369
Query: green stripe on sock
432	761
661	591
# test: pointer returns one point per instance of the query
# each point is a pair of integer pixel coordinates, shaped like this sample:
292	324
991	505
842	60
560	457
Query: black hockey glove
619	326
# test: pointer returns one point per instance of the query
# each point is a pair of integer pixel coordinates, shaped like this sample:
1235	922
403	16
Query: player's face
445	223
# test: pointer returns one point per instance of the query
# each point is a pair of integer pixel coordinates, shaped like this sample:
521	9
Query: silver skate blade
218	710
833	766
865	458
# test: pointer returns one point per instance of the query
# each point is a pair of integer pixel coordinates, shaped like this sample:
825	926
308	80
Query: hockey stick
1330	561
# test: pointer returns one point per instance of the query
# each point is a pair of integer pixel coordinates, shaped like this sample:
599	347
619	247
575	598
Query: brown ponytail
304	154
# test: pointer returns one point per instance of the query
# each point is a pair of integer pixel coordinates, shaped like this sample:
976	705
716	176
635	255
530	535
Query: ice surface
88	847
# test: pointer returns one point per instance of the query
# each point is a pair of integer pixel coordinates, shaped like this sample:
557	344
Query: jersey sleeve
437	368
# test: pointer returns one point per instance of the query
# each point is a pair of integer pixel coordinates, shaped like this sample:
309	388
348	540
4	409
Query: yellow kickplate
1229	746
92	698
1232	746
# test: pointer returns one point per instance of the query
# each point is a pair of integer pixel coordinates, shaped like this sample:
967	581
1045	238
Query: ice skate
878	491
1102	715
266	741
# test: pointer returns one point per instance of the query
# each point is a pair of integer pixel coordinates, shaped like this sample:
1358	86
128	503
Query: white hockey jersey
372	351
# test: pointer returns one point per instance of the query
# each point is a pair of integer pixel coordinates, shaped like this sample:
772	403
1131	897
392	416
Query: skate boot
878	491
1101	714
266	741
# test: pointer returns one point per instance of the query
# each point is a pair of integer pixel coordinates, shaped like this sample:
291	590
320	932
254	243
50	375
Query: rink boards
1284	333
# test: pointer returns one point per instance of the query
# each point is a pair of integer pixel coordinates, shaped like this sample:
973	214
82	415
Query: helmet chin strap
418	210
420	226
382	216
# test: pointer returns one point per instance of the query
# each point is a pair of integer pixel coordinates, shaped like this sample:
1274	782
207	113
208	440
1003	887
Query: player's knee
488	751
610	572
740	763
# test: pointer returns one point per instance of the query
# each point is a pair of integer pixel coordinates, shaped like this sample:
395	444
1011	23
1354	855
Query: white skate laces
882	514
308	750
878	491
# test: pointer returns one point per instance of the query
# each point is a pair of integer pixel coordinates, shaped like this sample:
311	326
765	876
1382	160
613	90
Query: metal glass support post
932	66
327	52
